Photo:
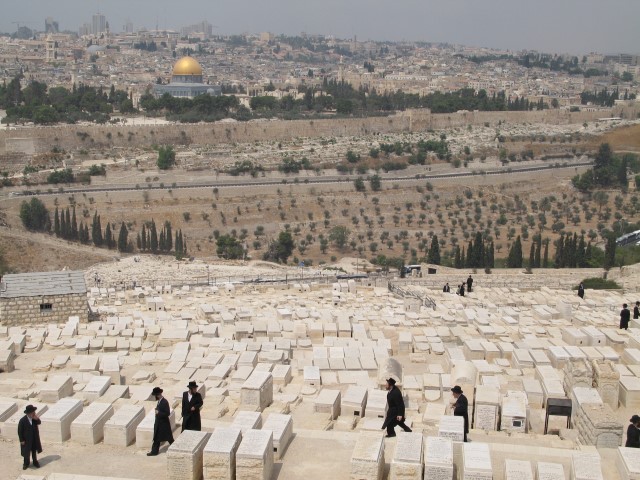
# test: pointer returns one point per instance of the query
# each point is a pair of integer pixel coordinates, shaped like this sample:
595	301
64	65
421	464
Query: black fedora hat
30	409
456	389
156	391
192	384
635	419
391	381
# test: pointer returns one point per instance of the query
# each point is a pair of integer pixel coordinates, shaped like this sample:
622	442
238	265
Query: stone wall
71	137
26	310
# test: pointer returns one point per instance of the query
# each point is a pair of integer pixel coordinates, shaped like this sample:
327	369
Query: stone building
186	81
43	297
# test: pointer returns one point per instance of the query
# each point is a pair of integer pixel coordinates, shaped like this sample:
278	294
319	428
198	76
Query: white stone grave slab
517	470
254	458
219	457
550	471
476	461
628	463
144	430
56	421
55	388
406	463
281	426
120	430
586	466
245	421
88	427
185	456
367	460
451	427
328	401
257	391
438	459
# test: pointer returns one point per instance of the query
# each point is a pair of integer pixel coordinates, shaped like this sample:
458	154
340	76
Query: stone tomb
354	401
406	463
219	457
56	422
7	408
628	462
56	388
281	426
514	412
487	401
96	387
247	421
517	470
144	430
328	401
120	430
185	456
254	458
367	460
550	471
257	391
476	461
452	428
438	459
88	428
586	466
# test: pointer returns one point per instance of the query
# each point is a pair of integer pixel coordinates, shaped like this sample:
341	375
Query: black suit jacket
191	419
162	426
461	409
395	403
30	435
633	437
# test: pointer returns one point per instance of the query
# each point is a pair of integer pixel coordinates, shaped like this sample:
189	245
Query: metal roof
42	284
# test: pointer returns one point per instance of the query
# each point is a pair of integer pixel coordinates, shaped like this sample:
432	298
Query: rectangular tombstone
354	401
88	428
247	421
438	459
281	374
219	456
376	403
628	463
144	430
328	401
550	471
476	461
7	408
56	422
451	427
406	463
120	430
96	387
56	388
517	470
111	367
514	412
586	466
367	460
254	458
185	456
311	375
281	426
257	391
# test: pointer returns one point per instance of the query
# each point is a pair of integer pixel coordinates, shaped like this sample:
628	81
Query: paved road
250	183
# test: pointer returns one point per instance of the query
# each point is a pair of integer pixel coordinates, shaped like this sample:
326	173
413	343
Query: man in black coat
395	410
162	425
469	284
29	436
625	316
581	290
461	408
446	288
191	405
633	433
636	311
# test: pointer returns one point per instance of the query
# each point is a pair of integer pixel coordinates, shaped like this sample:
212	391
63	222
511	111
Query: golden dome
187	66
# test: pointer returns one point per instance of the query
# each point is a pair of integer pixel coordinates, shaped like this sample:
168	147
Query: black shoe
24	467
36	464
408	430
390	436
152	454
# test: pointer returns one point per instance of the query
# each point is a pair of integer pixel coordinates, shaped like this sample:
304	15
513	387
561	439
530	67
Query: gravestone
56	422
451	427
120	430
517	470
438	459
254	458
328	401
55	388
219	457
88	427
586	466
281	426
476	461
354	401
406	463
246	421
367	460
257	391
550	471
96	387
628	463
185	456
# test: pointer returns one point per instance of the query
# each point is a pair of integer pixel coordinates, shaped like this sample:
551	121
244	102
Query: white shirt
189	397
30	420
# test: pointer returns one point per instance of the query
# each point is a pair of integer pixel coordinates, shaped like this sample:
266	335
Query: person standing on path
162	425
395	409
625	315
581	290
636	311
469	284
29	436
633	433
461	408
191	405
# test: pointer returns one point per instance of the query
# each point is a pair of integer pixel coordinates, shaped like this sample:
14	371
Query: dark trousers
33	456
392	424
155	447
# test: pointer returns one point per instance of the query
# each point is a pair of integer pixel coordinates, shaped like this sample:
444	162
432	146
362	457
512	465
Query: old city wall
26	310
73	137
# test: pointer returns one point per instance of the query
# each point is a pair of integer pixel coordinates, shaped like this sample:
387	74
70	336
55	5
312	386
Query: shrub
597	283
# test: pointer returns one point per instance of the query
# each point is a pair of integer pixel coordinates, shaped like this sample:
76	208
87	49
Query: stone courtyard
292	376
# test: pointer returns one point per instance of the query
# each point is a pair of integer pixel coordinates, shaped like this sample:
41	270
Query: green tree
35	216
280	249
108	236
375	182
56	223
166	157
610	252
514	260
228	247
433	256
96	230
359	184
123	238
153	237
339	236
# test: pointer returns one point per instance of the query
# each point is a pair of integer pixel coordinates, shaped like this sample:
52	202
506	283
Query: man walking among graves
581	290
162	426
633	433
461	408
395	409
636	311
29	436
625	316
469	284
191	405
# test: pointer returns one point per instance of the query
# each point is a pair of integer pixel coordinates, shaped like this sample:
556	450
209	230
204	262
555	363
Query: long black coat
191	420
461	409
395	404
625	316
636	312
633	437
30	435
162	426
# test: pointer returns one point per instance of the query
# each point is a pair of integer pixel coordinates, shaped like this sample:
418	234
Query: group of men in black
461	288
625	315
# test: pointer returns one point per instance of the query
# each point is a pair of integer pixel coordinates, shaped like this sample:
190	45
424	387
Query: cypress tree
108	237
143	239
536	260
153	244
490	256
67	224
514	259
532	256
139	242
610	252
433	256
56	223
86	233
468	261
96	230
123	238
74	225
545	259
161	243
168	240
457	262
478	251
560	252
63	227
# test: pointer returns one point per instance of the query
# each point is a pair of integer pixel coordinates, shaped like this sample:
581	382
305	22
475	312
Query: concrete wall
71	137
26	310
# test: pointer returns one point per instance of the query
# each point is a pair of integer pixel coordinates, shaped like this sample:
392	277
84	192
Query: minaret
341	70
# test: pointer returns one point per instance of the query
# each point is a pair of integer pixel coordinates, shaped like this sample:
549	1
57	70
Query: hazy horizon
568	26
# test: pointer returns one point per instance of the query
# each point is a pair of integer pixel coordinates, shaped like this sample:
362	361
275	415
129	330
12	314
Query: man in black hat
636	311
461	408
469	284
633	433
625	316
29	436
191	405
162	426
395	410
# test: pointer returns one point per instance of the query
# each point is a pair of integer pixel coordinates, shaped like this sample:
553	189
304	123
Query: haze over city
568	26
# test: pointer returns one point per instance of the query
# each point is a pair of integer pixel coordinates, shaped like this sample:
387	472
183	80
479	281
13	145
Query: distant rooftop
42	283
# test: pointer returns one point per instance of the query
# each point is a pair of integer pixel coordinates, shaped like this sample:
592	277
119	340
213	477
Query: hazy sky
574	26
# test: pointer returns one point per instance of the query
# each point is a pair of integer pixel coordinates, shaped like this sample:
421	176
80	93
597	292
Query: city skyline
570	26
